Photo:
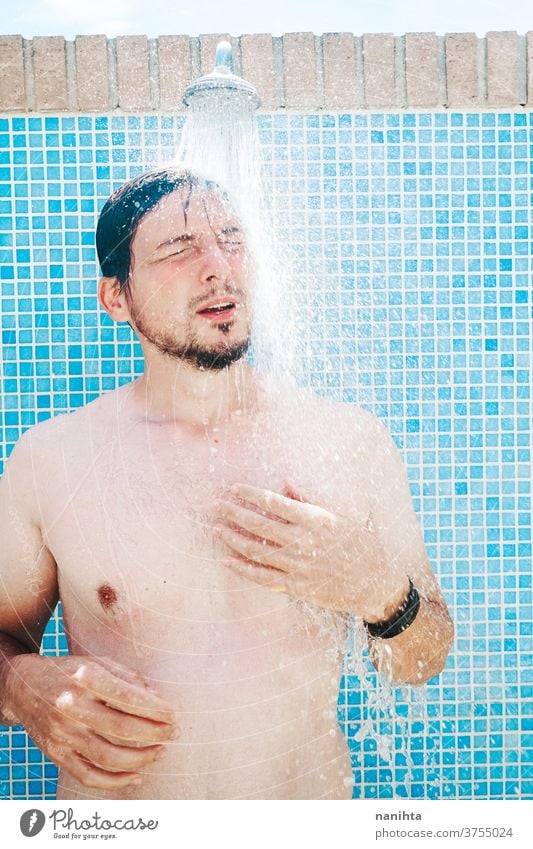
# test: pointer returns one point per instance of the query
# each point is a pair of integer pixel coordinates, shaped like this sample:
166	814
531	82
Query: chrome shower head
222	81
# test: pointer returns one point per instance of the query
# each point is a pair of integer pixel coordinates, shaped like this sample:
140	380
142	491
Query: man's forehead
186	204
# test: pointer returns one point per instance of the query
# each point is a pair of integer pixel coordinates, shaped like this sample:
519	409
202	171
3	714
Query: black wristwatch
401	620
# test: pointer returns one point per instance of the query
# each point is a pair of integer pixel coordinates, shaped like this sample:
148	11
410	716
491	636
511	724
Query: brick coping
301	72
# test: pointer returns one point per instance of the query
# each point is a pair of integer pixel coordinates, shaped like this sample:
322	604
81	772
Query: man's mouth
219	310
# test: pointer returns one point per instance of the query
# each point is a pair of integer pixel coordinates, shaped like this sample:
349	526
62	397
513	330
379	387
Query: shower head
222	81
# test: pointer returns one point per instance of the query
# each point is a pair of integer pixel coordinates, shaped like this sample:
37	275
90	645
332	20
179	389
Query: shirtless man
209	536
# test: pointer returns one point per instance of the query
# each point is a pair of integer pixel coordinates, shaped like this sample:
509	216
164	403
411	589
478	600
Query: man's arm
339	557
418	653
92	716
28	579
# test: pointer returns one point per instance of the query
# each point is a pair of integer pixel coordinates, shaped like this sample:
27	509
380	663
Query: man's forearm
10	651
418	653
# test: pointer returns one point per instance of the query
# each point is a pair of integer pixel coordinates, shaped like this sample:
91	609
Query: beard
204	357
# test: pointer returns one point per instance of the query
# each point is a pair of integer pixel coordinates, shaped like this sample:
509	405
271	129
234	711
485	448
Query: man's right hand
91	716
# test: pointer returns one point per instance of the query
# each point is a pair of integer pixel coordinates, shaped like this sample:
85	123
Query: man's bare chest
128	514
130	525
156	492
140	569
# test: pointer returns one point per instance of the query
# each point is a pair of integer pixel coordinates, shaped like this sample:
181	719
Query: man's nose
214	262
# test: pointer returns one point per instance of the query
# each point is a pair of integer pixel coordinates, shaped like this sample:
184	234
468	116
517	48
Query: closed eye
178	251
231	244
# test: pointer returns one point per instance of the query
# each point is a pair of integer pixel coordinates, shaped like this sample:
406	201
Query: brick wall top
299	71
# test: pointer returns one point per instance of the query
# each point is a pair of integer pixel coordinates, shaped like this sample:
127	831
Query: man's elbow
425	669
417	663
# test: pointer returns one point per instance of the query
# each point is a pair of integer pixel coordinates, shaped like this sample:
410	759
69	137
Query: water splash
389	717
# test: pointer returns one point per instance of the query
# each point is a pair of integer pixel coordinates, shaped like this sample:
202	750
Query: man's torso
128	516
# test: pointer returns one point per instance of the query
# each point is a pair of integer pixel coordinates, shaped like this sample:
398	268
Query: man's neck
176	392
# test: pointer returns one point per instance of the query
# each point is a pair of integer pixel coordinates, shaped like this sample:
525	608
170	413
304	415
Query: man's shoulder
362	439
341	418
342	429
66	428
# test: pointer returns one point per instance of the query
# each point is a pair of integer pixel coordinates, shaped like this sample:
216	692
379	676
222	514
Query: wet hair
127	206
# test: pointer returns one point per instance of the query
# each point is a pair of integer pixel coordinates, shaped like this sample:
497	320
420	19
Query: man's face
188	280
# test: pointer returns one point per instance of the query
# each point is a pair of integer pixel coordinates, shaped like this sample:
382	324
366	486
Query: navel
107	596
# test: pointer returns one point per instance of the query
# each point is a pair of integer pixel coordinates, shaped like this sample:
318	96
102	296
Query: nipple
107	596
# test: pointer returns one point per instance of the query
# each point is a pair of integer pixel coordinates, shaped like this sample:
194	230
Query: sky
237	17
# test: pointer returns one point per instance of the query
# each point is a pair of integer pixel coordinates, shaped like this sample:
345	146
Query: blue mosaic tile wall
420	225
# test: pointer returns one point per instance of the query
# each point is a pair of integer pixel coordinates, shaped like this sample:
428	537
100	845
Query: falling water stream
220	139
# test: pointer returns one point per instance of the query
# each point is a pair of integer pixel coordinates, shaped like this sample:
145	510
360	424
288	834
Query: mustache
231	291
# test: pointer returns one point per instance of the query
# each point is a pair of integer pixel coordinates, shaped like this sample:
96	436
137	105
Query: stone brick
340	77
462	78
379	69
12	85
92	73
133	72
208	47
174	69
502	68
299	65
421	69
257	60
50	72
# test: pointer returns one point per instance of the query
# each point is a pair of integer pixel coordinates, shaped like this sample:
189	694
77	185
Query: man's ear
112	299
